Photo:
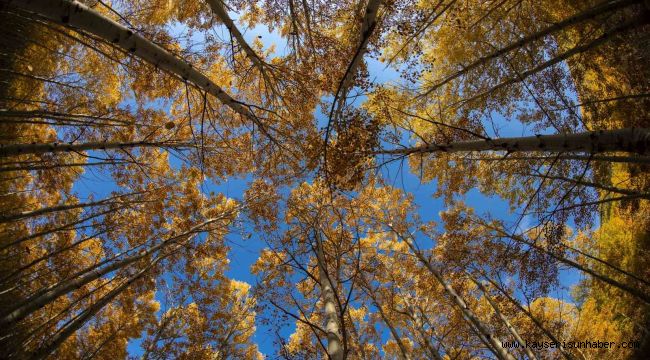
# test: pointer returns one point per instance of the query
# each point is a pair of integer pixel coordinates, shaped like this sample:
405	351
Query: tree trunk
370	292
220	12
635	140
76	15
537	323
59	208
419	324
607	35
56	166
64	333
328	286
484	331
630	290
367	28
57	147
605	7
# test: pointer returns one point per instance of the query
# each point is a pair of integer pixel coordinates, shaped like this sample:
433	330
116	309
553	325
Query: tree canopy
415	179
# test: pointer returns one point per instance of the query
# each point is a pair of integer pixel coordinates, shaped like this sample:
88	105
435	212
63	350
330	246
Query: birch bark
483	330
76	15
328	286
634	140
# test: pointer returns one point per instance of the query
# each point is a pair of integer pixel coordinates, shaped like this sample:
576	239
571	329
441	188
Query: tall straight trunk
590	184
367	27
57	166
328	286
528	314
394	333
15	273
493	341
634	140
19	116
513	331
605	158
435	354
76	15
42	298
64	227
603	8
57	147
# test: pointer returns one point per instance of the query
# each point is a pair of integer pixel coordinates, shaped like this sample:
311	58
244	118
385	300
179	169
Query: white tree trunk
367	27
220	12
634	140
57	147
483	330
64	333
328	286
590	13
77	15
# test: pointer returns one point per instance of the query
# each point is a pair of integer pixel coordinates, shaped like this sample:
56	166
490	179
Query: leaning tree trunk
528	314
641	295
69	329
493	342
419	325
633	140
76	15
396	336
221	13
59	208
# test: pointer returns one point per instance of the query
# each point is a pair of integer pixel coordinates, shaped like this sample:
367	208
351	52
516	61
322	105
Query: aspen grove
308	179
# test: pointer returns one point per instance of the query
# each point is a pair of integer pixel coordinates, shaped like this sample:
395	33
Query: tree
121	123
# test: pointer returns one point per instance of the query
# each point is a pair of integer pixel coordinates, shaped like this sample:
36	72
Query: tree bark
606	36
59	208
607	280
370	292
493	341
537	323
635	140
57	147
64	333
334	343
367	28
76	15
220	12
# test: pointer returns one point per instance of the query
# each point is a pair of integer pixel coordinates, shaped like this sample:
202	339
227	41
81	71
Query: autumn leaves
541	104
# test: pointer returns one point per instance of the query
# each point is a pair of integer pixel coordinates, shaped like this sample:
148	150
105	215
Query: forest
310	179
